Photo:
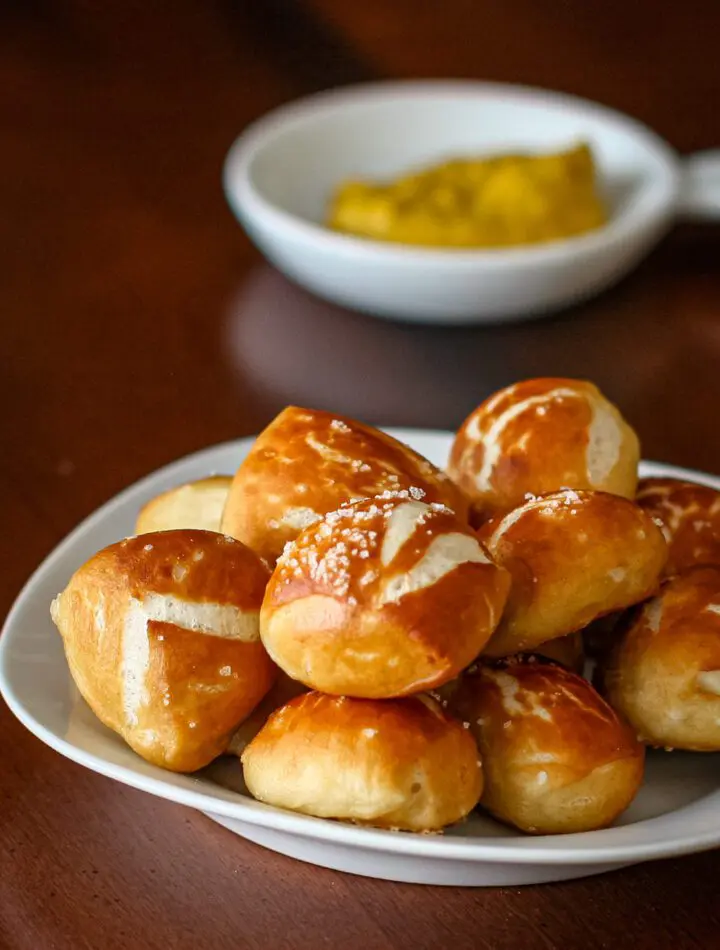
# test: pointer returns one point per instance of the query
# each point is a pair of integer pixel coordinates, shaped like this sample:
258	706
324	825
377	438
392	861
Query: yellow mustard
499	201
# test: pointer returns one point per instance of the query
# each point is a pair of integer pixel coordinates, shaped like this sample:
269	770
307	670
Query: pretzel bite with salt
196	504
573	556
690	518
663	675
541	435
384	597
400	763
307	463
161	634
556	757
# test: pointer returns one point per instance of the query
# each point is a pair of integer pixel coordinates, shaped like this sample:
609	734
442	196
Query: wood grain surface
138	324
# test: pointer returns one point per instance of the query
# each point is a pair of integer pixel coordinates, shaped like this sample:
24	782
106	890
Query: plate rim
519	849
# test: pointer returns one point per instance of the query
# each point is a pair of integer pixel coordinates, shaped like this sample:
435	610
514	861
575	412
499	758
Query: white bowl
676	812
280	173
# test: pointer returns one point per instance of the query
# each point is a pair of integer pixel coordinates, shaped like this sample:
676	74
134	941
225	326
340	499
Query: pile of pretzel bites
383	642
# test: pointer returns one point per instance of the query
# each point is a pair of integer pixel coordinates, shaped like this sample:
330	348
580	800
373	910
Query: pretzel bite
663	674
162	638
573	556
307	463
401	763
539	436
194	505
384	597
690	517
556	757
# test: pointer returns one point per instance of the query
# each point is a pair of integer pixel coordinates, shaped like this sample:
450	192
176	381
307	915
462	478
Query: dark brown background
137	324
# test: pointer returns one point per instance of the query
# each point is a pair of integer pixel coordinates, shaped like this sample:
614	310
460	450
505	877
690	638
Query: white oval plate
677	811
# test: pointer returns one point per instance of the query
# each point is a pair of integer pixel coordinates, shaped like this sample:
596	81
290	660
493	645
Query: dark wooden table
138	324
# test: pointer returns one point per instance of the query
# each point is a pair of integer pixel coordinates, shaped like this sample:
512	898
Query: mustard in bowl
498	201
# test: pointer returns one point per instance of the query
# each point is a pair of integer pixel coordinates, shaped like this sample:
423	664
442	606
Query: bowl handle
700	186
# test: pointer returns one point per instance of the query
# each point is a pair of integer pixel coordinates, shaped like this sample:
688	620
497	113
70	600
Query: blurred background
138	321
